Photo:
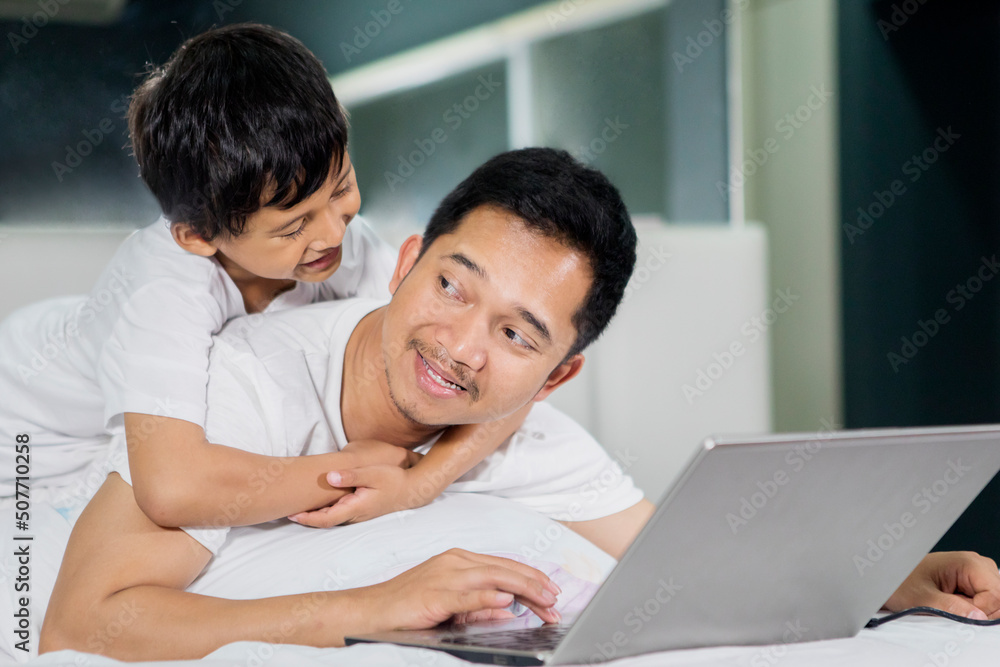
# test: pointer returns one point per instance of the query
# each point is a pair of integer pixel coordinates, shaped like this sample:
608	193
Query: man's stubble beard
407	412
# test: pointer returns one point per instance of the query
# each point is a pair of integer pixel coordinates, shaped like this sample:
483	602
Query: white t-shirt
274	388
139	342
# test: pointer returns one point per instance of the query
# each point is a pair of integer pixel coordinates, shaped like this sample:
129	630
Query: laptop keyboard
541	638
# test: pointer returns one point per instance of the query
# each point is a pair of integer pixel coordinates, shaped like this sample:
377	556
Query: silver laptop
764	540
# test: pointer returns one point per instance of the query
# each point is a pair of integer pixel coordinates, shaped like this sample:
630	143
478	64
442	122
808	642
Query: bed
381	548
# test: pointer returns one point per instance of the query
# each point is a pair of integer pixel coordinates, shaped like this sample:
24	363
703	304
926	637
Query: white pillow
287	558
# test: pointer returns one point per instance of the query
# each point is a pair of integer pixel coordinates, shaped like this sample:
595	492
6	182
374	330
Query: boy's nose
331	232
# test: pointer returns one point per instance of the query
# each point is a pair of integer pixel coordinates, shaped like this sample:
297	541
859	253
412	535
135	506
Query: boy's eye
343	191
296	233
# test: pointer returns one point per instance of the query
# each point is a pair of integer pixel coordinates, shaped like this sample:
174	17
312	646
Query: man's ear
190	240
563	373
408	254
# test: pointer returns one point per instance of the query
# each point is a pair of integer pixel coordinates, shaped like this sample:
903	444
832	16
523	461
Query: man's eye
516	339
448	287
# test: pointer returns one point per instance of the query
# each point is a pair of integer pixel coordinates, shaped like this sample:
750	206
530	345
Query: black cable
875	622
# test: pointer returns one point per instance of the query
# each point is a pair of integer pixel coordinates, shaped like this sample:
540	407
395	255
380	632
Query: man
520	268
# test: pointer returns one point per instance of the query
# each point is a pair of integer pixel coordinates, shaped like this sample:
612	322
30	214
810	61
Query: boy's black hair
560	198
239	118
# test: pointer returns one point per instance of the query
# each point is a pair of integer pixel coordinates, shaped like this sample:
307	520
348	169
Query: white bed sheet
916	642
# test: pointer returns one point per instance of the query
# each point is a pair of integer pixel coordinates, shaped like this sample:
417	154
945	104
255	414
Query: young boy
242	141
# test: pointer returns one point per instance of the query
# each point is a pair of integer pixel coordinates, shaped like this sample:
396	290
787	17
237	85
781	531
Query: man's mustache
439	355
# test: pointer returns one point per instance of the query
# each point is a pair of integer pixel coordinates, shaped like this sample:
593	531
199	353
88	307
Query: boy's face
482	322
298	243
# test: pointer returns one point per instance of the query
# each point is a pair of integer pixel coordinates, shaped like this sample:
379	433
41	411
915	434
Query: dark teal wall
920	103
68	80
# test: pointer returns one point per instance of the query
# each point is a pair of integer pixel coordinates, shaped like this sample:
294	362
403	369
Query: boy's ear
190	240
408	254
563	373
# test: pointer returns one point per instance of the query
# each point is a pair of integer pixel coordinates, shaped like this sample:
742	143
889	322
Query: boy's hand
380	478
378	490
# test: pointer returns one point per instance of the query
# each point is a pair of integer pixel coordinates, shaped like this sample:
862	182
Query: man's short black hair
239	118
559	198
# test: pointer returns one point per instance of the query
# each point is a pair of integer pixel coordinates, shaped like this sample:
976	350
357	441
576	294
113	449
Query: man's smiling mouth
436	377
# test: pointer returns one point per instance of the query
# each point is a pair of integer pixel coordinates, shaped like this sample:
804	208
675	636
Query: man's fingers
528	590
989	602
955	604
492	604
483	615
521	568
982	584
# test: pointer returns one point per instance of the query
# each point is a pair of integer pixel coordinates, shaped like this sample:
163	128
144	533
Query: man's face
482	322
299	243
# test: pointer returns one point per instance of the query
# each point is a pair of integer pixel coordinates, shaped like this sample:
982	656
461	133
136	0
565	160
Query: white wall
664	375
789	53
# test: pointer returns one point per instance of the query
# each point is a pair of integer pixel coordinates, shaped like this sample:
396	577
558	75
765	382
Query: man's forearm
614	534
120	592
155	623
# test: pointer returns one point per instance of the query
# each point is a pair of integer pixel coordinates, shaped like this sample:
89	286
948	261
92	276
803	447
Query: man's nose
466	340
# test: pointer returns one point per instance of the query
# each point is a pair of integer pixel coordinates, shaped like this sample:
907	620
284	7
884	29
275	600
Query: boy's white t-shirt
139	342
274	389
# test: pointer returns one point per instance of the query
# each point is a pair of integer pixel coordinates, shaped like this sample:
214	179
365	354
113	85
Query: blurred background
861	136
